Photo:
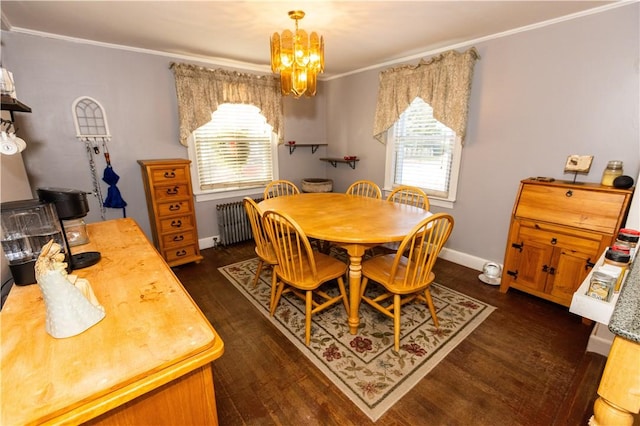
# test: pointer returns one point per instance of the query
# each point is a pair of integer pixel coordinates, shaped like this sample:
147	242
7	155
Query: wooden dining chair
365	188
281	187
302	270
410	195
407	278
264	249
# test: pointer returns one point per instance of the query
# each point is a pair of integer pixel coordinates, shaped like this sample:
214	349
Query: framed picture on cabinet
578	163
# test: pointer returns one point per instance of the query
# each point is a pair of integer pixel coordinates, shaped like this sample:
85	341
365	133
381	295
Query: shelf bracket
314	148
291	149
352	164
333	163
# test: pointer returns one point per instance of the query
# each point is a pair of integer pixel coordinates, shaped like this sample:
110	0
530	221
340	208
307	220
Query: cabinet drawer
168	175
559	239
173	208
173	192
179	239
176	224
579	208
178	253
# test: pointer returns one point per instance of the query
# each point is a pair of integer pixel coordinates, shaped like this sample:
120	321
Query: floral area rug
364	366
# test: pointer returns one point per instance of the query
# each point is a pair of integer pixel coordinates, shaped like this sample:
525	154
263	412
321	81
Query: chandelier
298	58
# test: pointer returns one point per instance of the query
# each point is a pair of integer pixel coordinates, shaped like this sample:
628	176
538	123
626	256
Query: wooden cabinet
167	184
558	231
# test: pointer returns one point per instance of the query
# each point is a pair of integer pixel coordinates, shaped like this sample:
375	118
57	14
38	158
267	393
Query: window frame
220	194
456	160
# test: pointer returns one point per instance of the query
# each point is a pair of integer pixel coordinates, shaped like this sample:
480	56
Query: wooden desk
353	222
147	362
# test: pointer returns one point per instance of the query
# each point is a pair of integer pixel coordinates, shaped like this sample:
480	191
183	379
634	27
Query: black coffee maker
70	204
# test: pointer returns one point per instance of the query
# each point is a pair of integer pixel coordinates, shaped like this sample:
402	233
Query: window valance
444	82
200	91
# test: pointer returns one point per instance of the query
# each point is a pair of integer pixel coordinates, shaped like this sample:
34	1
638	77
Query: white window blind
423	152
234	150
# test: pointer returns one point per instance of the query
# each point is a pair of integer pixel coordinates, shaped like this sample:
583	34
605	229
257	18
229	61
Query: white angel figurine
71	305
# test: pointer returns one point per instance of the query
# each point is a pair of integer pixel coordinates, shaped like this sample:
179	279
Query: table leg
355	275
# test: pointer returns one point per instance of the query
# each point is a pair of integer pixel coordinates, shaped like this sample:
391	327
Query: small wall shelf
11	105
334	161
314	146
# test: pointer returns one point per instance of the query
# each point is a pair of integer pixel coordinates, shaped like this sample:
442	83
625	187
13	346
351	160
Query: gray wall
538	96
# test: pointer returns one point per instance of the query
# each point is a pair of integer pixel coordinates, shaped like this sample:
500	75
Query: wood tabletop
346	218
152	334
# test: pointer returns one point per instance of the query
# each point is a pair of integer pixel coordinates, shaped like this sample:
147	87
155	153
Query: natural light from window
423	152
234	151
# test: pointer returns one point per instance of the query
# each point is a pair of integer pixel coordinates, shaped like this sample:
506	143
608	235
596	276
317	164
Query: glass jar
619	259
601	286
76	232
612	171
629	237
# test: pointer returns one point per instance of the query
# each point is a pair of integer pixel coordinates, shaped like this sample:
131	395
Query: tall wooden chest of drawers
558	231
172	215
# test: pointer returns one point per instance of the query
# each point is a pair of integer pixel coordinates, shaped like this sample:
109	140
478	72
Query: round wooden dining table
353	222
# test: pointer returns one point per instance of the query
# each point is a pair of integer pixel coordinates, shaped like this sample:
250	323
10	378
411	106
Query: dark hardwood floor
525	365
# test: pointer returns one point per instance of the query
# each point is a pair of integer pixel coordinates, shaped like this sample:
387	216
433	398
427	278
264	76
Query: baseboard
208	242
464	259
454	256
600	340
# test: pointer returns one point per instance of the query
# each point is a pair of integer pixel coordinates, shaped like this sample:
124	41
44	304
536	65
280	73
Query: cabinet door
531	264
529	261
570	269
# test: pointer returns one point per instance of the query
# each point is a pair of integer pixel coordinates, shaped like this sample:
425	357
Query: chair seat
378	269
328	268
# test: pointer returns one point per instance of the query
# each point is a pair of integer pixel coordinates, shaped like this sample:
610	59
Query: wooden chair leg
278	293
272	298
343	292
396	321
363	285
258	271
307	316
432	309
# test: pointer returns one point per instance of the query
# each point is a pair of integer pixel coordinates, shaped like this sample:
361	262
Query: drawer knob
174	207
181	253
178	238
170	175
569	193
554	241
176	223
172	191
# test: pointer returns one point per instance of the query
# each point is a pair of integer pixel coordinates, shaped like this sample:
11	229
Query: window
423	152
235	151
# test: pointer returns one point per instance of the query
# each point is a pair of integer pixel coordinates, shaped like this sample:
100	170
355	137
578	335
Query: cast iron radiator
233	223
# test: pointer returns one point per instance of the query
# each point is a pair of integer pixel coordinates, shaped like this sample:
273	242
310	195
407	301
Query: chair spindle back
409	195
421	248
296	261
365	188
279	188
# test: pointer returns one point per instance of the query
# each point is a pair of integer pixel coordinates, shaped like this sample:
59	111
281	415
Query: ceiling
357	34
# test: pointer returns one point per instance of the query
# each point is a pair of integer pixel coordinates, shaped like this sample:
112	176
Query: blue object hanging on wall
114	198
